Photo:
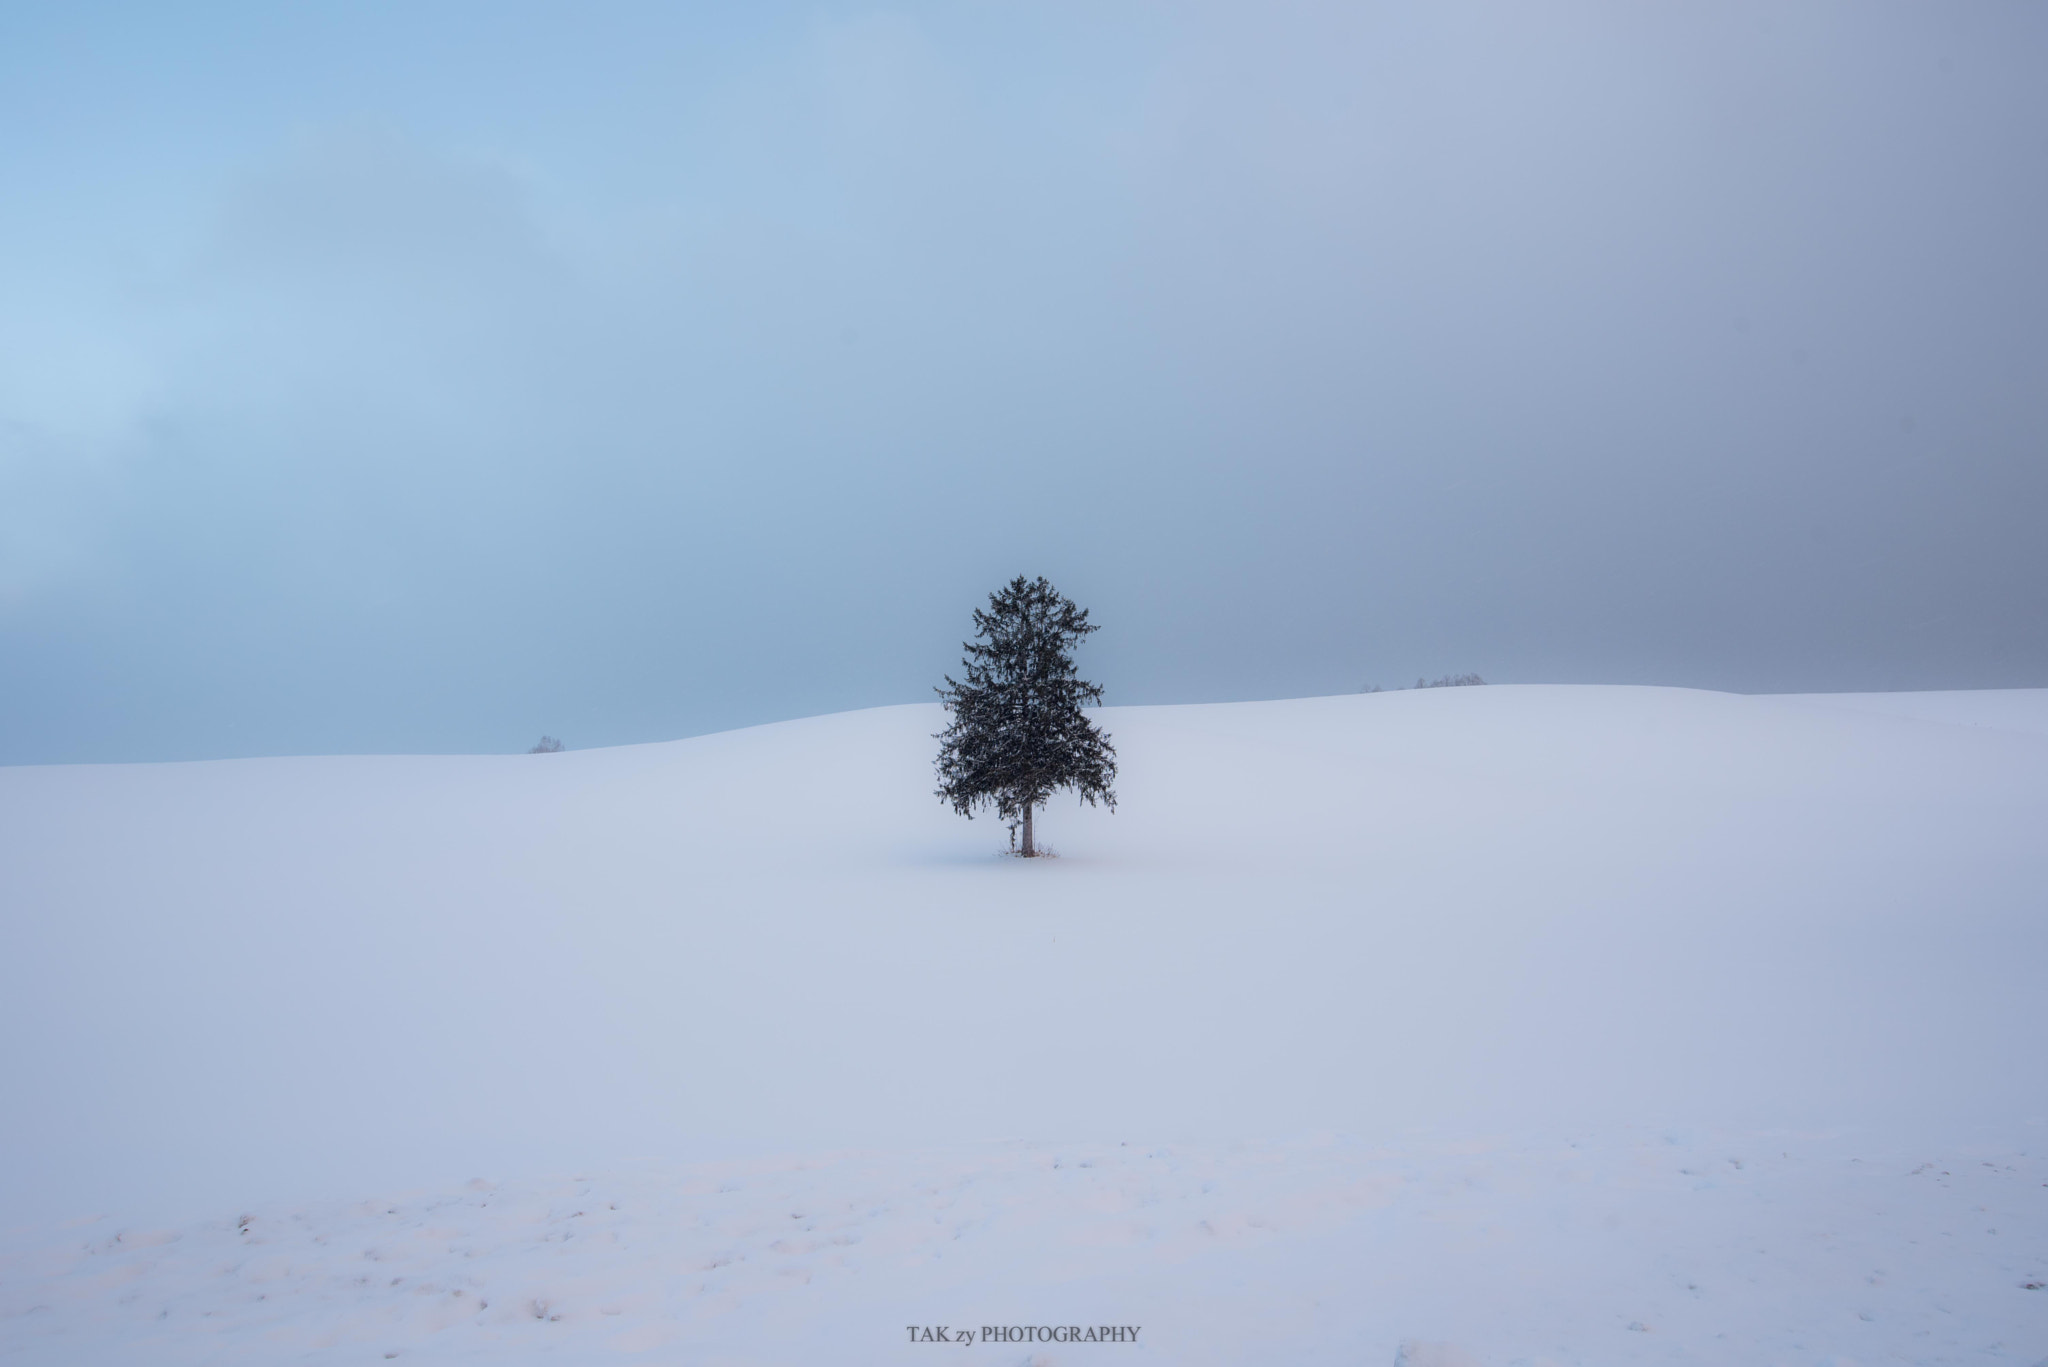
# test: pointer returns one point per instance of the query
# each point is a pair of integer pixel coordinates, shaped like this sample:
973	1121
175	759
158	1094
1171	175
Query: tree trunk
1029	850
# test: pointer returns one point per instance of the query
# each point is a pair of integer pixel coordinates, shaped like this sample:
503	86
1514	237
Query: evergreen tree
1017	733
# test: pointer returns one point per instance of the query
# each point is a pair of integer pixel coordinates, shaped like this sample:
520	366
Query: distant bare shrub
547	745
1451	681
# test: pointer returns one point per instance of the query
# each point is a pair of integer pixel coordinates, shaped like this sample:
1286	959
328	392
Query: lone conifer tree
1018	733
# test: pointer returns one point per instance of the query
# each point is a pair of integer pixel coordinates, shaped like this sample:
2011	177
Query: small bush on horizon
547	745
1447	681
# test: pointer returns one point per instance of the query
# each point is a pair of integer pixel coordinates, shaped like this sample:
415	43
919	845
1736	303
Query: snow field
1465	928
1763	1248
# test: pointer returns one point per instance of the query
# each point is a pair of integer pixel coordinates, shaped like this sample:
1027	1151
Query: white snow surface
2010	709
1487	1025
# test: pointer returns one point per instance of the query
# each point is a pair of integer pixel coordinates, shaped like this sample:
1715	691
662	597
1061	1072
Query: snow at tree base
1445	1027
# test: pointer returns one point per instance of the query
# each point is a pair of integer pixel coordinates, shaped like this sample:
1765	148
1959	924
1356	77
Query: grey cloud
1308	345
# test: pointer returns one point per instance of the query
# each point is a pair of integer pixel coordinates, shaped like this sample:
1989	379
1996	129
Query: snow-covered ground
1547	1023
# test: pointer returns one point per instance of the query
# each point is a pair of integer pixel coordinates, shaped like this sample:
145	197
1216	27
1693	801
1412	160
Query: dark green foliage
1018	733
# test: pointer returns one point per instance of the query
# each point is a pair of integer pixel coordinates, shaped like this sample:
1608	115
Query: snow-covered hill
1442	1015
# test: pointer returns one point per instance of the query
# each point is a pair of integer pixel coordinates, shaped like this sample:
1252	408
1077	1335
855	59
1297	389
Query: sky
423	378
